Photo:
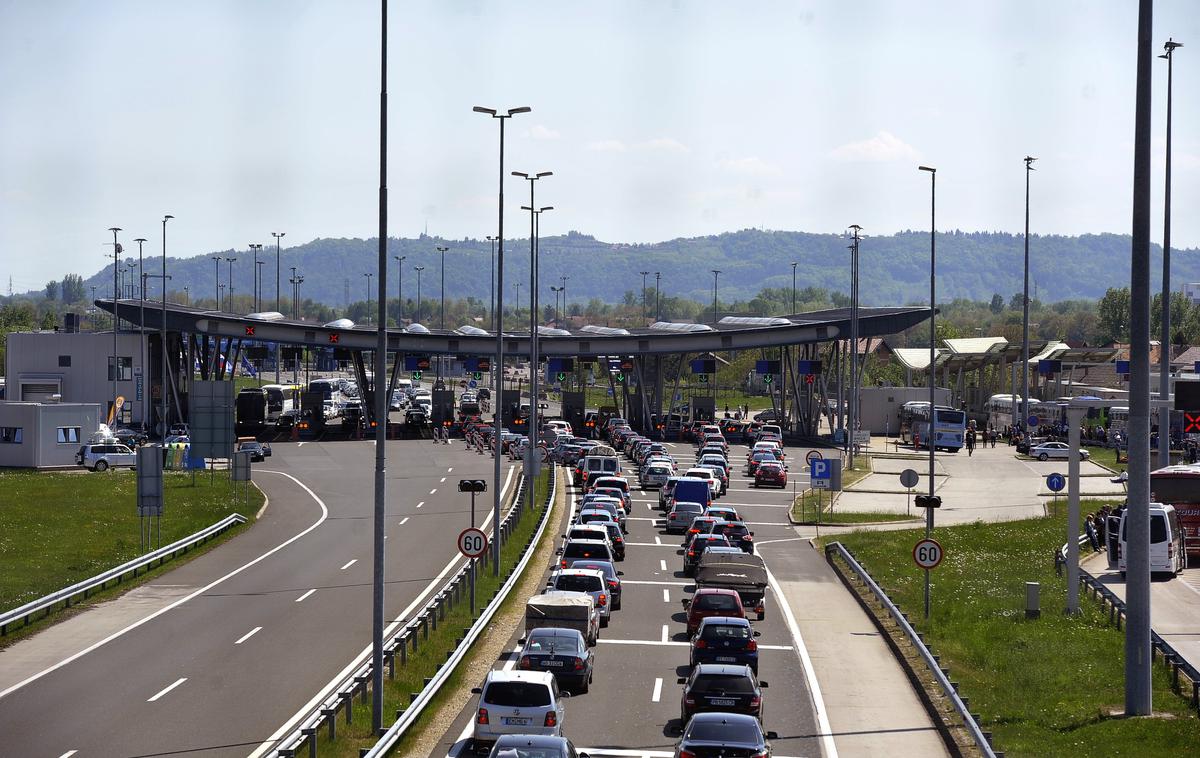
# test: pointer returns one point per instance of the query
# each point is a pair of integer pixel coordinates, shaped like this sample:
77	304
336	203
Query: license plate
726	659
552	663
512	721
723	701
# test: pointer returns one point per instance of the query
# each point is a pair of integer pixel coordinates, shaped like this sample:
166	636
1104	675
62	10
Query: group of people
1095	526
986	437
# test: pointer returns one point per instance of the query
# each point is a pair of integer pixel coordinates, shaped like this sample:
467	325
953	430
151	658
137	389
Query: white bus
949	425
1000	410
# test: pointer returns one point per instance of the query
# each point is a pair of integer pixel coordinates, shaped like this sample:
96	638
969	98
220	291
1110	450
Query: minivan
104	455
1166	541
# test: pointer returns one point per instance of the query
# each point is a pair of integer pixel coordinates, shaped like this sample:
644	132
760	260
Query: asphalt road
277	613
632	709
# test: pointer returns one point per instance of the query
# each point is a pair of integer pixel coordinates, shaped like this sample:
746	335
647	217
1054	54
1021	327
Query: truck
564	610
251	408
745	574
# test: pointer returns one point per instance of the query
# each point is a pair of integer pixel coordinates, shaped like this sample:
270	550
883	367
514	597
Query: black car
728	735
738	534
562	652
721	687
725	639
696	548
616	538
130	437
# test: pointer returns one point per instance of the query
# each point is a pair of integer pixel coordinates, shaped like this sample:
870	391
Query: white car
104	455
518	702
714	484
1057	450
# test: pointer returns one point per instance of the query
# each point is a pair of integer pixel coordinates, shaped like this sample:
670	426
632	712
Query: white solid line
182	600
351	563
657	694
306	709
676	643
306	594
814	689
420	503
443	479
666	595
68	754
403	521
433	491
168	688
248	635
666	634
662	564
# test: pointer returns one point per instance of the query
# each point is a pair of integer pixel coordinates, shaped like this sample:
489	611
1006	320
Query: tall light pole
855	229
142	355
793	287
162	334
418	269
116	321
278	236
557	312
534	215
564	279
442	319
255	247
258	294
657	296
368	276
498	367
292	281
1025	307
1164	359
217	282
229	279
644	313
187	298
492	290
933	351
716	273
400	288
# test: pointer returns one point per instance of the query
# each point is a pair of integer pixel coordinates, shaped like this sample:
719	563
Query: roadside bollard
1033	608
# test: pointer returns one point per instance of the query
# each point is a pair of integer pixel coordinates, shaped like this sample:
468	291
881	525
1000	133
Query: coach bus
949	425
1179	486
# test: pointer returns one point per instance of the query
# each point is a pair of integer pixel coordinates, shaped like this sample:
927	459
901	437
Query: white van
1166	541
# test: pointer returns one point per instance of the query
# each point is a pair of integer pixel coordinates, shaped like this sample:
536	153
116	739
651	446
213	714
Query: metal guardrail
981	738
117	574
1171	657
410	636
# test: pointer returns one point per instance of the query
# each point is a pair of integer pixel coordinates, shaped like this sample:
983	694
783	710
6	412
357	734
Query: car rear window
517	694
735	684
1158	528
581	550
716	603
725	632
549	642
573	583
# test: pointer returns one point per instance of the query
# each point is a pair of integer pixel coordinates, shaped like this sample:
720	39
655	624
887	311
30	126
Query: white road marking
301	444
351	563
68	754
657	584
657	540
443	479
182	600
666	633
652	544
404	521
657	694
248	635
306	594
649	507
662	564
450	470
677	643
666	595
168	688
433	491
420	503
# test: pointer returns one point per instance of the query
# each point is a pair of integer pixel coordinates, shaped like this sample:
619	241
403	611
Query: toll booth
573	408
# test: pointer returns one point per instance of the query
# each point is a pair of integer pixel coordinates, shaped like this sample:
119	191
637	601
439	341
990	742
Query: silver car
1057	450
681	517
518	702
104	455
656	475
590	581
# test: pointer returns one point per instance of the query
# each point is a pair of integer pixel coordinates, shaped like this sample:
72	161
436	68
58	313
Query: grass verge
433	651
1043	687
59	528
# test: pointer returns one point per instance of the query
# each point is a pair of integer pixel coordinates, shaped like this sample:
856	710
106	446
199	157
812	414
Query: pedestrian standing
970	442
1089	527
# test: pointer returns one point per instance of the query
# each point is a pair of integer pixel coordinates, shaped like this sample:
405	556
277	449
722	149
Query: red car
711	601
770	473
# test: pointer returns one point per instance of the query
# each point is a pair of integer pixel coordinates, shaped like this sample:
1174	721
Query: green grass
807	504
432	652
1045	687
59	528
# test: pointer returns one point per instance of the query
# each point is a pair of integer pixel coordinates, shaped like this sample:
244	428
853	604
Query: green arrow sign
768	379
561	376
620	378
416	376
704	378
477	375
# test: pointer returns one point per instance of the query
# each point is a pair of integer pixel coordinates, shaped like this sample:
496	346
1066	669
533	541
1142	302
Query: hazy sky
659	119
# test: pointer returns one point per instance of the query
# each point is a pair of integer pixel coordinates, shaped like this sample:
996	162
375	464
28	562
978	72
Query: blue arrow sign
1055	482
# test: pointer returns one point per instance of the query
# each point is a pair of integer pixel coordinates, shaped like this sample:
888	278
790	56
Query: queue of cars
721	698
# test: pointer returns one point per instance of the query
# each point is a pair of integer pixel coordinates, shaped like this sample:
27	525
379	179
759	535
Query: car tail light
612	583
755	702
748	538
603	600
563	563
692	554
701	644
482	718
689	701
551	719
751	646
524	662
578	664
760	608
686	753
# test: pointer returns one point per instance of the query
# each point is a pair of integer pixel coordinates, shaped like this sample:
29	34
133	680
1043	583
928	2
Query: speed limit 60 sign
472	543
927	554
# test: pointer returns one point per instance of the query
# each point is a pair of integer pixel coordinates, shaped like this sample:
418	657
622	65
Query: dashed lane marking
306	594
168	688
248	635
349	564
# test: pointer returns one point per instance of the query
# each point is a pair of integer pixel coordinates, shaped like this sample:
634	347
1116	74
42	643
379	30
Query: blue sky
659	119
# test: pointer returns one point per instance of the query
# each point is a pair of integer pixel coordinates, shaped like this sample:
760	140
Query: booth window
11	435
68	435
124	368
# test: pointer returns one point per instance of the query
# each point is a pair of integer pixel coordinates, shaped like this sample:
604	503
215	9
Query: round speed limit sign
928	554
472	543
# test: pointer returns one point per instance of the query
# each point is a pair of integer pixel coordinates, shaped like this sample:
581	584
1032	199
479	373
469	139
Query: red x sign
333	337
1191	422
249	331
809	378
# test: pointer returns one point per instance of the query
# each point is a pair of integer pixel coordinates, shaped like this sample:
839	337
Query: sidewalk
872	707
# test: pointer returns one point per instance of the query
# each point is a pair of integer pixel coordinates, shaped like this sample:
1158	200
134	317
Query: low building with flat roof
45	435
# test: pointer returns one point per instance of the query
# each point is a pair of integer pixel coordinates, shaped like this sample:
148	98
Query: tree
1113	310
51	290
1017	302
997	304
72	288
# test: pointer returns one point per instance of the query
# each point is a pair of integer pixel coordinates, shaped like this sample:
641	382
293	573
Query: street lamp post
116	321
292	281
793	287
258	295
657	296
217	282
498	367
442	319
492	290
278	236
1025	307
162	334
1164	361
854	421
419	269
142	357
932	351
400	288
187	298
255	248
564	279
716	273
644	275
229	278
535	215
368	277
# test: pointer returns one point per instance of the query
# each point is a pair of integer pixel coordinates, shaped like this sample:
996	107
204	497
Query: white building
44	435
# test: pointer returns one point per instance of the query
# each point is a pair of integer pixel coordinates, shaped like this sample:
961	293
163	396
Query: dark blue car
725	639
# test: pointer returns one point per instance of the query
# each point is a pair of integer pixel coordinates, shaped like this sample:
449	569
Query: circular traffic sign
472	384
472	543
928	553
1033	421
812	455
1056	482
908	478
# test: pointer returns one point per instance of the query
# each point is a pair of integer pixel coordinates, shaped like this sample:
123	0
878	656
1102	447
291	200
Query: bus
281	398
251	407
949	425
1000	410
1179	485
